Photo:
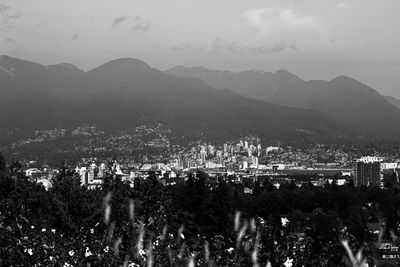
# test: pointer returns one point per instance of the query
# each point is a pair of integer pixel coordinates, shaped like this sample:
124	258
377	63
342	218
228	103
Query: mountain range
127	92
347	100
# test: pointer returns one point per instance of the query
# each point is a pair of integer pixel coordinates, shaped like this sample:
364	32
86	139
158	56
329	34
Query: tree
218	208
257	188
268	186
2	163
291	186
390	180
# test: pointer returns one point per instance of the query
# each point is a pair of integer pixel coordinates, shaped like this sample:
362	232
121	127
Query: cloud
342	5
186	47
7	17
4	7
119	20
10	41
141	26
220	45
75	37
276	19
274	48
12	47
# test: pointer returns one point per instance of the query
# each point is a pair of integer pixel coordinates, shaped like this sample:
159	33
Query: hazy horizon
311	39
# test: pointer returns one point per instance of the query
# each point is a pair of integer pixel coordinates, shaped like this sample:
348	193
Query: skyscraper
225	147
368	171
203	155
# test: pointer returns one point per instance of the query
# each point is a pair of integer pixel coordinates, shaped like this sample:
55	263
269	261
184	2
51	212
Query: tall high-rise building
225	147
245	165
238	147
211	150
203	155
249	152
368	171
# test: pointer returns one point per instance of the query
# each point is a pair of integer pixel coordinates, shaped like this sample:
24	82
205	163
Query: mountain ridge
393	100
344	98
127	91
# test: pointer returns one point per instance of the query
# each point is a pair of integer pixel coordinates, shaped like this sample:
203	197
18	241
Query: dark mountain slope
344	98
132	91
125	92
28	94
392	100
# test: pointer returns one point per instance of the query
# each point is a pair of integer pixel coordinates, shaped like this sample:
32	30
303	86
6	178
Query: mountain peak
64	67
5	57
284	74
178	67
7	60
344	78
126	63
254	72
123	68
344	81
16	66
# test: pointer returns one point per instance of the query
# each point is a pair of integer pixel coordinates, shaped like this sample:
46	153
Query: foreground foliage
193	223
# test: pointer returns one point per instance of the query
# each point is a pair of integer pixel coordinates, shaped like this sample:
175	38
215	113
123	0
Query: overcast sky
316	39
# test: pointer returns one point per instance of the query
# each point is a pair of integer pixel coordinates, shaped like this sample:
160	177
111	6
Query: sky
314	39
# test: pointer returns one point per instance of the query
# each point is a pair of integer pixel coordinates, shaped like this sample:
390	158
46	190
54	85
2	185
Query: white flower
288	262
87	252
29	251
284	221
142	252
91	231
32	227
43	229
71	253
53	230
229	250
51	258
106	249
66	264
182	236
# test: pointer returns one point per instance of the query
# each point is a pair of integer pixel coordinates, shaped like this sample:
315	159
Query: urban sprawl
245	162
